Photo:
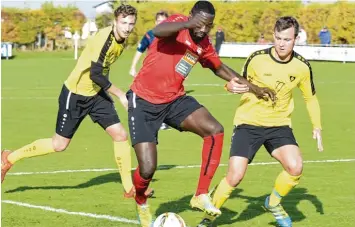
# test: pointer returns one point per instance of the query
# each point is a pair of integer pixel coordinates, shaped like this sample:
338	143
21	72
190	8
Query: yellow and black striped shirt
262	69
94	63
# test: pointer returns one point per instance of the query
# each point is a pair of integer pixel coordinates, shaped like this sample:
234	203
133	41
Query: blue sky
85	6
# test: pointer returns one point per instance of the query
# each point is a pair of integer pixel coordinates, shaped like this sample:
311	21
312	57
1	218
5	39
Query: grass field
30	87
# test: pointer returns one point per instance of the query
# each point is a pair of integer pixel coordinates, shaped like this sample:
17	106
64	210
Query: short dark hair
161	13
125	10
204	6
287	22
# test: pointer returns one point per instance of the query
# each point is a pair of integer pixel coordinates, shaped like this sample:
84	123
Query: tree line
241	22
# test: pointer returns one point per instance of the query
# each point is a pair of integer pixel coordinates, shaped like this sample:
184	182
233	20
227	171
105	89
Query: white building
88	29
104	7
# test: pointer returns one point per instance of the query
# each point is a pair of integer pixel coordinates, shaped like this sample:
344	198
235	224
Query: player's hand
133	72
317	135
197	21
263	93
234	86
123	101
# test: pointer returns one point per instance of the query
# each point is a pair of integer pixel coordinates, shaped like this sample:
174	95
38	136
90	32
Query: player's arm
173	25
142	46
309	94
233	77
236	83
98	77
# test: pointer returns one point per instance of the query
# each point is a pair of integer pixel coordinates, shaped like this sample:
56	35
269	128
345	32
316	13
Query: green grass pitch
31	83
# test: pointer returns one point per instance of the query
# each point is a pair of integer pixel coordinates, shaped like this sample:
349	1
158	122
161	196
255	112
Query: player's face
160	19
125	25
201	32
284	42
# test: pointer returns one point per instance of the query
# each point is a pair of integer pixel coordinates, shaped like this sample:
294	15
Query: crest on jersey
292	78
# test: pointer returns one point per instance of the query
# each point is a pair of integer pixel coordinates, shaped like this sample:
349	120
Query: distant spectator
302	37
219	39
262	40
325	36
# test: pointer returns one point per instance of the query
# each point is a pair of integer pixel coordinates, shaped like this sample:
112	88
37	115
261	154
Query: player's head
285	34
125	20
207	8
160	16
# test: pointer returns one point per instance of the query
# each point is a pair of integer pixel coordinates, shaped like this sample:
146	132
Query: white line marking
91	215
164	167
186	85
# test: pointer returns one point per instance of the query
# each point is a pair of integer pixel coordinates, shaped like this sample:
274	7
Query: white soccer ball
169	219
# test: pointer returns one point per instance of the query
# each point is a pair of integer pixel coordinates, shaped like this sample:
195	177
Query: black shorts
145	118
73	108
247	139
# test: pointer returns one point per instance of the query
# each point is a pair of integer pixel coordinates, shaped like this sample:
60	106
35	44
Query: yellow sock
283	185
123	160
222	193
37	148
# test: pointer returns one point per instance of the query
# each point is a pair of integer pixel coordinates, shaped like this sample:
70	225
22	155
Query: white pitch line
63	211
186	85
164	167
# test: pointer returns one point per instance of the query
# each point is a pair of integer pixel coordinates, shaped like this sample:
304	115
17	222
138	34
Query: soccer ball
169	219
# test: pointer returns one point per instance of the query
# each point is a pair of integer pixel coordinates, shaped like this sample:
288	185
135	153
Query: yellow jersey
263	70
100	52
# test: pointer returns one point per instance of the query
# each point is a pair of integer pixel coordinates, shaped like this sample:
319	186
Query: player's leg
144	122
186	114
283	147
246	141
67	123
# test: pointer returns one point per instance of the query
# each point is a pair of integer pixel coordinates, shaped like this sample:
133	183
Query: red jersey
169	61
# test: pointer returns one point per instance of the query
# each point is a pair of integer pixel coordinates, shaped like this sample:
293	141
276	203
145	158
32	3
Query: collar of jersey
281	62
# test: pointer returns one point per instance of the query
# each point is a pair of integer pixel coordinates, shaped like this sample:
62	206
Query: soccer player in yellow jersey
258	122
85	92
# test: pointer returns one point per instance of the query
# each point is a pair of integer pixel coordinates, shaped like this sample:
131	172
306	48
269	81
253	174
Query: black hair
125	10
287	22
161	13
204	6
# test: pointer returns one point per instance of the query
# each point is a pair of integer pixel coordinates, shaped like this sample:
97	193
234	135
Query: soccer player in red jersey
180	43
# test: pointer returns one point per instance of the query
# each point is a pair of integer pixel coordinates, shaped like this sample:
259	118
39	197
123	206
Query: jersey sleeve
176	18
99	71
247	70
309	94
144	43
210	58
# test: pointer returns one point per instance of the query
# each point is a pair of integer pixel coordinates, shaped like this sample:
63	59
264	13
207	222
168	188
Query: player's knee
295	168
59	146
147	171
119	137
117	133
216	129
235	178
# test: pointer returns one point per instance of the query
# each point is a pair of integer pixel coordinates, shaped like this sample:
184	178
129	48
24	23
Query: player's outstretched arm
235	80
167	29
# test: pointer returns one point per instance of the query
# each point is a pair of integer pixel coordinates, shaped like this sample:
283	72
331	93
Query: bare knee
119	137
294	168
234	178
60	144
215	129
117	132
147	170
